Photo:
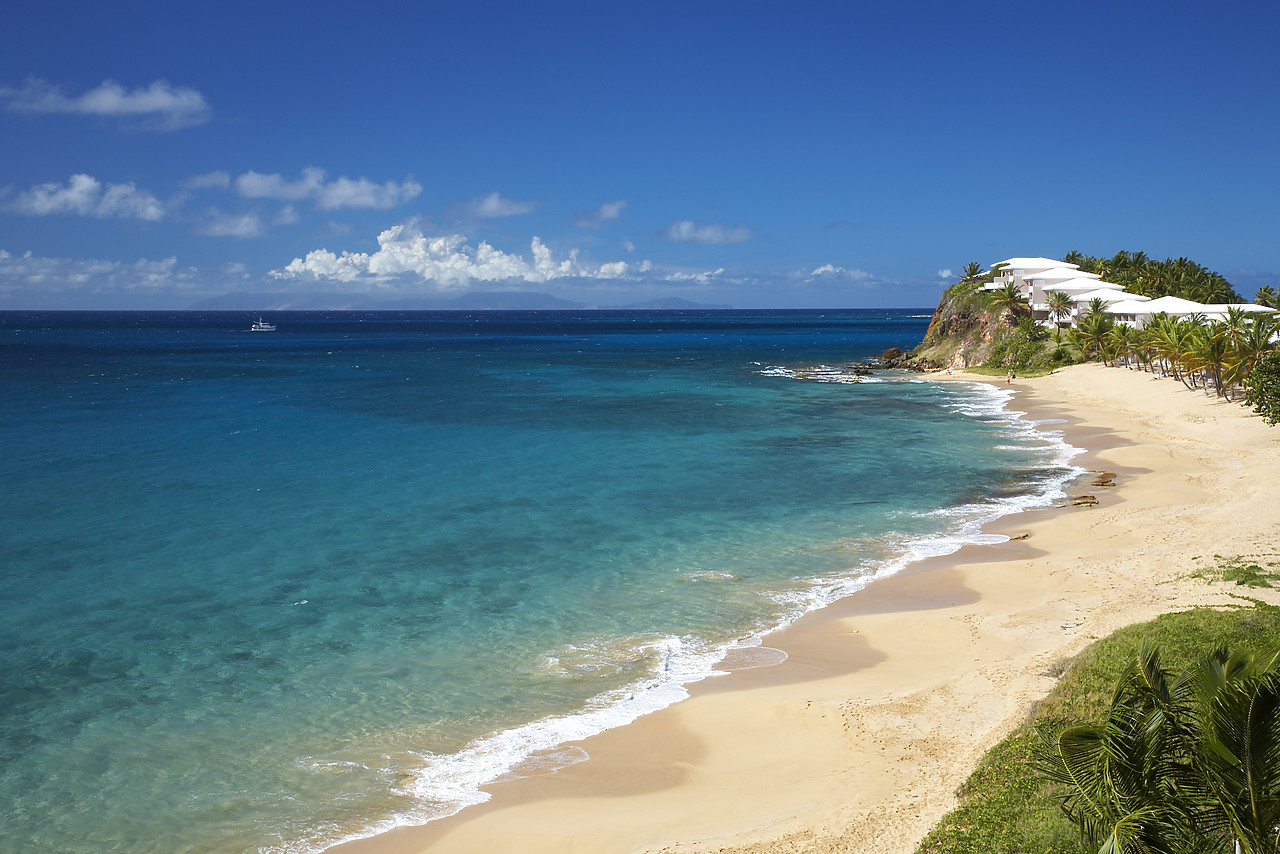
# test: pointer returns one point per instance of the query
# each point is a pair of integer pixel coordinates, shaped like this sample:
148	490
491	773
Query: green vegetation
1262	387
1179	277
1244	571
1005	806
1182	765
1023	348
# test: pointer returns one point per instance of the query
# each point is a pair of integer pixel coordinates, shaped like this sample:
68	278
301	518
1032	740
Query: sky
760	155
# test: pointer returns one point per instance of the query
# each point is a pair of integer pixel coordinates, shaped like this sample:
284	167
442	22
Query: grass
1004	372
1253	571
1004	807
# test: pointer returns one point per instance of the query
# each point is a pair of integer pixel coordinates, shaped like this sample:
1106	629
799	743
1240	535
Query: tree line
1178	277
1214	355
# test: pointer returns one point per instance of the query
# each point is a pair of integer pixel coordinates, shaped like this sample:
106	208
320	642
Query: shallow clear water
270	590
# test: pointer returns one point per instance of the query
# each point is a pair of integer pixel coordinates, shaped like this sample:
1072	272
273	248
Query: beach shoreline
888	698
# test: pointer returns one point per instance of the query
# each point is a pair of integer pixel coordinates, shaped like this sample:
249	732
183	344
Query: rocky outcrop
962	330
895	359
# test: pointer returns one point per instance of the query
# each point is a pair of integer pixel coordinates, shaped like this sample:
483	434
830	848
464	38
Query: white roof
1033	264
1109	295
1063	273
1130	306
1245	306
1083	285
1175	305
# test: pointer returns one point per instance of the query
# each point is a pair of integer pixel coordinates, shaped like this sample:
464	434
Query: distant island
474	301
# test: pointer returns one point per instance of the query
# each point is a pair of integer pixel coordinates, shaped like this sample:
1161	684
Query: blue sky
755	154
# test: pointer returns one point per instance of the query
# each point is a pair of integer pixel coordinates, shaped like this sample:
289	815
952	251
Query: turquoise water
266	591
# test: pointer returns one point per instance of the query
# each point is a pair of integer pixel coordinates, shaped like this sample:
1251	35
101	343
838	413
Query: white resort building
1036	278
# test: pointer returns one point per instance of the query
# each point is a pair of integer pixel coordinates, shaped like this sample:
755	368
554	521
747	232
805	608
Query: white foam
446	784
818	373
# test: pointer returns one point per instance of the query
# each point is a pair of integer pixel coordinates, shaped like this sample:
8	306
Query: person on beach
1012	376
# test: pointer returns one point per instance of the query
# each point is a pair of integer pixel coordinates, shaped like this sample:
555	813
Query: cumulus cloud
84	195
944	274
448	262
494	205
327	195
161	105
684	231
598	217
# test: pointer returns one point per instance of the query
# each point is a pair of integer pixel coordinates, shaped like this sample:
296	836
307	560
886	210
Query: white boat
261	325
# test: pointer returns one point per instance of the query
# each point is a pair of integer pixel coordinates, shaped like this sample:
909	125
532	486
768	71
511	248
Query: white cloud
287	215
256	185
166	107
830	271
361	193
331	195
944	274
446	261
684	231
700	278
84	195
629	246
494	205
24	273
219	224
601	215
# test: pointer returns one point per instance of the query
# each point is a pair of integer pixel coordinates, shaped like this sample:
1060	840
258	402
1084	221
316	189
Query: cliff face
962	331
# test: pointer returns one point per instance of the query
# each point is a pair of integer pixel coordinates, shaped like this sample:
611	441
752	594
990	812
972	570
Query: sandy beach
888	699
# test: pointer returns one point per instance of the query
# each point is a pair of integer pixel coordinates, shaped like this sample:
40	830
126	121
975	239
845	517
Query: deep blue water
264	591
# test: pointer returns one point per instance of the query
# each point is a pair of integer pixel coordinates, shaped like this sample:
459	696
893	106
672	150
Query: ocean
266	591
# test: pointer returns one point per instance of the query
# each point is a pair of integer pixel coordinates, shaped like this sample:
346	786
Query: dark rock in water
1084	501
895	359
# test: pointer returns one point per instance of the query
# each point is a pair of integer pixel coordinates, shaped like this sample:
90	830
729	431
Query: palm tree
1117	780
1181	765
1090	335
972	272
1249	347
1120	342
1169	340
1060	306
1266	295
1208	352
1009	297
1237	700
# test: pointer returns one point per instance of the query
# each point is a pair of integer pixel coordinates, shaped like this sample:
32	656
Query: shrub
1262	387
1020	346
